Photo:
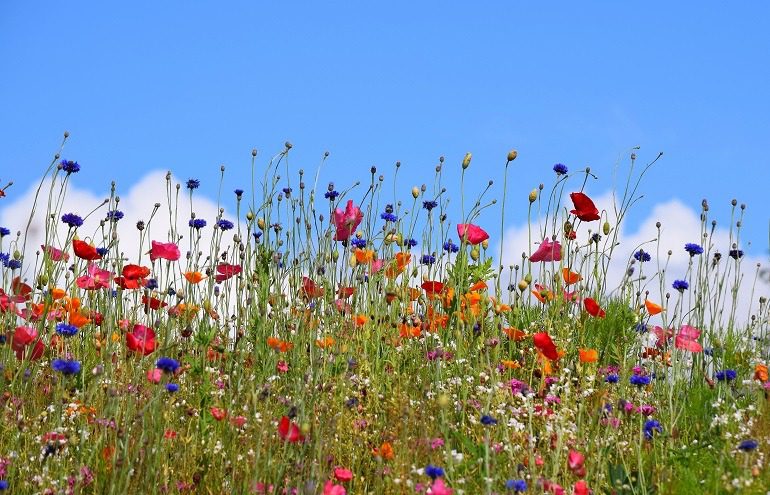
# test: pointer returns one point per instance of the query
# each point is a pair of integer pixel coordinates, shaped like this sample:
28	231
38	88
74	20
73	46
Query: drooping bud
512	155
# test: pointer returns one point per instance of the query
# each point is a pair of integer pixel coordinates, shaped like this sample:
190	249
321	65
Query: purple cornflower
693	249
560	169
680	285
72	220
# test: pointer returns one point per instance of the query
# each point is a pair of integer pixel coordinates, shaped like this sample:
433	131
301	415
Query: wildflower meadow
355	338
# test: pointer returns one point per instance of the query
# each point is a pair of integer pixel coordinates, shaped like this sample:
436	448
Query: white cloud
680	224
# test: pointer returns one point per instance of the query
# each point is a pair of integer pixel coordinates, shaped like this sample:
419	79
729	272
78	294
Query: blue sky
188	86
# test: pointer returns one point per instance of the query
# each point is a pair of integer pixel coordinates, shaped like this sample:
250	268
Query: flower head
66	366
434	471
650	427
560	169
451	247
473	233
429	205
193	184
517	486
736	253
167	364
548	251
66	330
641	256
70	167
346	221
725	375
197	223
72	220
693	249
225	224
585	209
114	215
488	420
748	445
680	285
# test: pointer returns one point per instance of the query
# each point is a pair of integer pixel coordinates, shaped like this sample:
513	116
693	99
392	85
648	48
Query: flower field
343	339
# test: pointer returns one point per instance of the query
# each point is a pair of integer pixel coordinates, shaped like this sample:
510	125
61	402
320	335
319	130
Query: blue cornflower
167	364
225	224
641	256
172	387
451	247
287	191
693	249
102	251
151	284
736	253
72	220
359	243
434	471
66	367
114	215
14	264
410	243
650	427
748	445
193	184
3	485
197	223
331	195
429	205
257	235
516	485
389	217
596	237
238	193
639	380
70	167
680	285
66	330
427	259
4	232
488	420
5	258
560	169
641	328
612	378
725	375
709	351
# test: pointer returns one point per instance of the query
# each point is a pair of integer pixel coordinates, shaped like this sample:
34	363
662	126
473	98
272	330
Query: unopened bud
467	160
533	196
606	228
475	253
512	155
415	192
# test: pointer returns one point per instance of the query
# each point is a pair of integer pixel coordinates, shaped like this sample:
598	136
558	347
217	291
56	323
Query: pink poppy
96	278
165	250
347	221
439	488
141	340
575	462
154	375
476	234
548	251
55	254
343	474
331	489
687	339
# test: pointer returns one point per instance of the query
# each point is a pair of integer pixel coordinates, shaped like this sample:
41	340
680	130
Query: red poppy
346	291
55	254
226	271
141	340
309	289
24	337
593	308
545	345
430	287
153	302
576	463
687	339
164	250
474	233
135	272
20	290
128	283
585	209
218	413
85	251
289	431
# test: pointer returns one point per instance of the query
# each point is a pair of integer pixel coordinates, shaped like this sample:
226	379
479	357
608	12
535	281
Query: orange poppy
652	308
324	342
514	334
194	277
542	294
509	364
570	277
397	266
588	355
363	255
406	331
360	320
480	285
760	372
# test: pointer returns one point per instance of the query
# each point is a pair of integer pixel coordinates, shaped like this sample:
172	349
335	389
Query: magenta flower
347	221
97	278
476	234
548	251
687	339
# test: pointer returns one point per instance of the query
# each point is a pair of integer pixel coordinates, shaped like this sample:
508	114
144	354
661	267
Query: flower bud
606	228
261	223
512	155
467	160
523	285
335	255
475	253
533	196
415	192
528	278
485	243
